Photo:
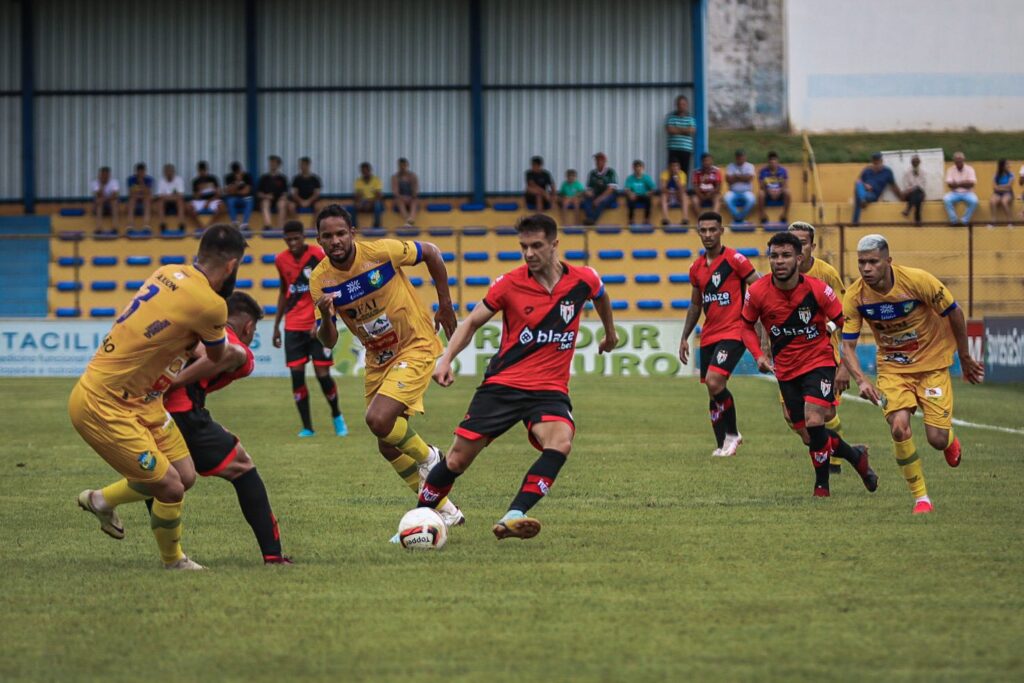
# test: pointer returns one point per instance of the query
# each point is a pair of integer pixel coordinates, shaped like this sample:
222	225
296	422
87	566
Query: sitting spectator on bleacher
774	180
913	189
272	191
960	179
706	186
540	186
1002	192
170	198
369	195
740	197
140	196
602	185
405	187
306	187
570	196
105	190
639	188
871	184
206	199
672	188
238	195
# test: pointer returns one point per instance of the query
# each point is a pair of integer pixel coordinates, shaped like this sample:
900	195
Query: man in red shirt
800	314
719	278
528	379
706	186
294	266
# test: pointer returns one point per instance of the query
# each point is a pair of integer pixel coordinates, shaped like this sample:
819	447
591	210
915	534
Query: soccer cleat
731	445
952	453
821	492
516	524
340	428
868	475
277	559
110	523
434	456
922	506
184	564
451	514
717	453
306	433
396	539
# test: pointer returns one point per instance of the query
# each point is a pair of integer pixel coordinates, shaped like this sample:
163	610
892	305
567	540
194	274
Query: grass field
656	562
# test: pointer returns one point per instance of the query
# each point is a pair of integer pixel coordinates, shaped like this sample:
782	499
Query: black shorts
722	357
211	446
531	202
816	386
496	408
300	347
683	157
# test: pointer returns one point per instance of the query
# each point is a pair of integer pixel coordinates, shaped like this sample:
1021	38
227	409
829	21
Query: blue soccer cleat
340	428
306	433
515	524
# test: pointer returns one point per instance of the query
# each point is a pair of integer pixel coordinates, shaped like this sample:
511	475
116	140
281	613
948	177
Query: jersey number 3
150	292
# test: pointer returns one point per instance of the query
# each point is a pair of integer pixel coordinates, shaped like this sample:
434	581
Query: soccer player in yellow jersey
363	284
117	405
813	266
917	327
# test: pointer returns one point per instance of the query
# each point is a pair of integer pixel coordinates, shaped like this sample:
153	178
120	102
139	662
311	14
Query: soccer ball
422	529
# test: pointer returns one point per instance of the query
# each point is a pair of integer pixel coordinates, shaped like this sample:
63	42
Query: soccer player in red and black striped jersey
719	278
800	315
528	379
215	451
294	266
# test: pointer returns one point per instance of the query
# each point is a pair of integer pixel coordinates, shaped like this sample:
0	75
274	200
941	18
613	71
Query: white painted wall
882	65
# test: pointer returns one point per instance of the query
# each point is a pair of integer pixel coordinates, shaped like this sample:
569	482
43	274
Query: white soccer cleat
433	458
731	445
110	523
717	453
184	564
451	514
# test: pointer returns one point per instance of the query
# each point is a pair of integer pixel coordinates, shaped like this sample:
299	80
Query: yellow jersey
823	271
908	321
367	189
376	301
150	341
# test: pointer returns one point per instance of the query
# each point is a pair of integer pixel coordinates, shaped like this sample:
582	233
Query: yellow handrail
810	164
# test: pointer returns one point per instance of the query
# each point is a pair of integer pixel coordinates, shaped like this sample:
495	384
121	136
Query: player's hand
445	319
870	392
608	344
842	380
326	306
684	351
765	365
276	341
443	374
973	371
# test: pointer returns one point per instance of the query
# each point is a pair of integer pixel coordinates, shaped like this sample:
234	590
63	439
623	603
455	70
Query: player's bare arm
852	363
445	316
973	371
204	368
603	306
282	294
755	346
328	332
458	341
692	316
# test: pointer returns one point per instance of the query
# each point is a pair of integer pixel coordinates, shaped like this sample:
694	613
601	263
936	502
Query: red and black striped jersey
184	399
295	272
539	328
720	284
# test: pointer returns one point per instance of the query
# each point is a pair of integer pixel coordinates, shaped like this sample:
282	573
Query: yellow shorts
931	390
406	380
139	440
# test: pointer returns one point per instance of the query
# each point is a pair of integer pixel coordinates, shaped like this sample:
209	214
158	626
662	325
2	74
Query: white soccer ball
422	529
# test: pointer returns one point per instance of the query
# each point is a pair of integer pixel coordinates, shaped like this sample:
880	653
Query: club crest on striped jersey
804	313
568	310
716	278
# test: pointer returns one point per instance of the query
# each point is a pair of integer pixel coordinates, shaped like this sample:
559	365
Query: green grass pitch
656	562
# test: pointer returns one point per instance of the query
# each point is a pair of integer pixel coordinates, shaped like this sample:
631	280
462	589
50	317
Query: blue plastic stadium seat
374	232
645	253
476	256
72	261
743	227
574	230
69	286
171	260
68	313
247	259
620	305
471	206
678	253
588	306
506	230
441	232
613	279
447	256
104	261
610	254
172	234
749	252
574	255
268	259
207	211
775	227
650	304
104	286
609	229
439	207
270	310
506	206
270	283
304	209
647	279
452	281
72	211
407	232
139	233
434	307
679	278
675	229
416	281
132	285
70	235
514	255
245	283
478	281
680	304
641	229
470	306
139	260
474	231
102	312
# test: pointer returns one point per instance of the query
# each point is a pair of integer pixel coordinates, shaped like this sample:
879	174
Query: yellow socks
836	426
165	520
121	492
949	442
910	463
404	438
406	469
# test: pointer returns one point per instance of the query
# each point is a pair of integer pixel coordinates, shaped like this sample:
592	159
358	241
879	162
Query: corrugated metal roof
10	148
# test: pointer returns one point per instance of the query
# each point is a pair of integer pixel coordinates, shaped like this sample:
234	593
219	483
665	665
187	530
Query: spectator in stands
913	188
105	190
871	184
602	185
1002	192
706	186
774	191
571	196
672	188
140	196
306	187
740	197
680	128
639	188
369	194
960	179
405	187
540	186
170	198
272	191
206	196
238	194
